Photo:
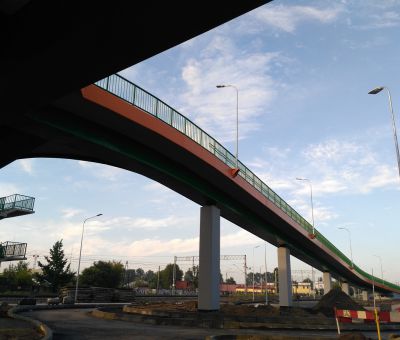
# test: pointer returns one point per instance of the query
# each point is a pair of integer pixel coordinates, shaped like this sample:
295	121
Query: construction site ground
232	316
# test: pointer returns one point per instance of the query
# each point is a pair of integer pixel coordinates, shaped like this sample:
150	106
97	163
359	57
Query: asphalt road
78	324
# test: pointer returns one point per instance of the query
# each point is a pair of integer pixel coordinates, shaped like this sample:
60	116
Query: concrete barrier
40	326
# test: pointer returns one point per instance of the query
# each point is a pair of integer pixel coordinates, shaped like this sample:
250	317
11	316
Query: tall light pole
237	123
80	254
375	91
313	224
266	274
312	203
253	269
380	260
351	251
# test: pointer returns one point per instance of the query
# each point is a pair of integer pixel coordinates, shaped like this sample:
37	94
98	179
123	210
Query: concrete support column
285	277
364	295
327	280
345	288
209	271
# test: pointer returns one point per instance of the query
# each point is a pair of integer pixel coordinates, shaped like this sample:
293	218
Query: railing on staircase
12	251
16	205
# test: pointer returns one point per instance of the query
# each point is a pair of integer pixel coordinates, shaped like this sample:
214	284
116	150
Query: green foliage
166	275
230	280
260	277
56	272
151	278
308	280
139	278
103	274
17	276
192	275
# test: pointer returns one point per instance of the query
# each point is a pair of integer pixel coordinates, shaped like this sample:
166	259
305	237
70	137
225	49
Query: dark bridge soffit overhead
75	43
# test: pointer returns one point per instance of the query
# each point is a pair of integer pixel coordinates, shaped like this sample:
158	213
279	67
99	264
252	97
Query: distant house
183	285
227	288
303	288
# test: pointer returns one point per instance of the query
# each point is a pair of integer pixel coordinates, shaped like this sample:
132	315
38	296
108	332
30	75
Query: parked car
68	300
53	301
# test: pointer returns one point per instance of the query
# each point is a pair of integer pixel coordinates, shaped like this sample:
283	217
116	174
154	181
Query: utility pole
126	273
266	274
158	279
35	257
245	275
174	276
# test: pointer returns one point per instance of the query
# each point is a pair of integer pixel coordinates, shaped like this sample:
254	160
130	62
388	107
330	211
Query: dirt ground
13	329
259	310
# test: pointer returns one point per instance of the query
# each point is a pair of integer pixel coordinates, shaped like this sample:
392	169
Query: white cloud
157	187
7	189
287	18
156	246
144	223
214	109
346	166
384	176
148	246
239	239
102	171
330	151
26	165
70	212
321	213
383	20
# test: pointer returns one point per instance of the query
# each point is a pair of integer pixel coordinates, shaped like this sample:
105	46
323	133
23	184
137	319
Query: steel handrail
17	201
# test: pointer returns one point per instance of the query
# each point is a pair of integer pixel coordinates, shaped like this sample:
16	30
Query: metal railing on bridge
142	99
15	205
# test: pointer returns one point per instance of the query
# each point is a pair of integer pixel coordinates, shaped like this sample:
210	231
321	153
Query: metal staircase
12	251
16	205
12	206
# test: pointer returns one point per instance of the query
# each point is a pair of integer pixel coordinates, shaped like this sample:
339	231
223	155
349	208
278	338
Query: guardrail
142	99
12	251
17	201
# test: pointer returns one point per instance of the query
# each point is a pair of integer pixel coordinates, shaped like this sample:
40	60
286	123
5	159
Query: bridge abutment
327	280
345	288
209	257
285	277
364	295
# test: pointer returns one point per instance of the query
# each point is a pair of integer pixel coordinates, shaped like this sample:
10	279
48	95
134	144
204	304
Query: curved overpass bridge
117	123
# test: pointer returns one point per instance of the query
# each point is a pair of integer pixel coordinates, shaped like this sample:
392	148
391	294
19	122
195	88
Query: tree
166	275
140	274
56	271
192	275
18	276
151	279
230	280
103	274
308	280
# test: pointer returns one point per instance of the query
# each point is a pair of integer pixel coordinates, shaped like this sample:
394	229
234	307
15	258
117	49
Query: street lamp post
80	254
236	170
351	251
380	260
375	91
313	224
312	204
253	269
266	274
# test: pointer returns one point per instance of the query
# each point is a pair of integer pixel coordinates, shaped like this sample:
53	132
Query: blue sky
303	70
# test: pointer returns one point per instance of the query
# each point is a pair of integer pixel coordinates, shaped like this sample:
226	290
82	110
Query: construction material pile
98	294
335	298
